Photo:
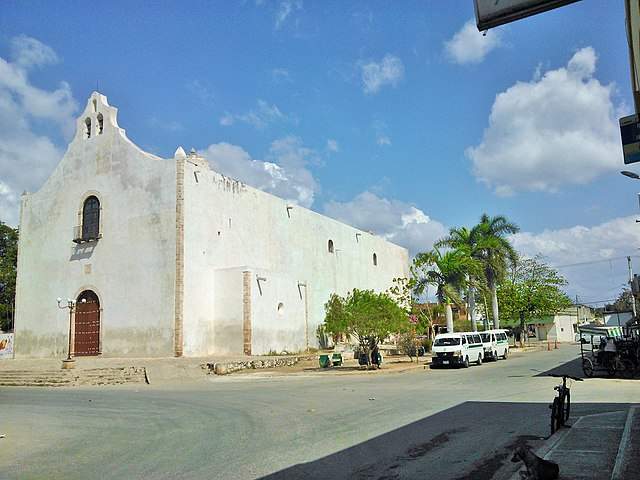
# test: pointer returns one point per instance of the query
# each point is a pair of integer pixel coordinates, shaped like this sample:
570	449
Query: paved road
444	424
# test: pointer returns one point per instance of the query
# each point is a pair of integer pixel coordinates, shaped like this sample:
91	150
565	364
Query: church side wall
131	268
231	225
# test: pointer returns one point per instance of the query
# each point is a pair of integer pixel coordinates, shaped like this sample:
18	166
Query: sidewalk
596	447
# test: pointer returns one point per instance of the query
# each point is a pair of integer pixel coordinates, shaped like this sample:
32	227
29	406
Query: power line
592	262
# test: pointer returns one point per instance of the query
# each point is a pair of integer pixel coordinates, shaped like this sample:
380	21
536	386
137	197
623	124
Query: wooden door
87	323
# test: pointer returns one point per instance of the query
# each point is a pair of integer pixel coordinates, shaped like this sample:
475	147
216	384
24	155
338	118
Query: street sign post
630	133
491	13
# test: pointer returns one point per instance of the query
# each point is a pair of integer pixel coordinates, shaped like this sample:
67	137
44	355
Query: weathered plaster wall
227	295
131	268
229	225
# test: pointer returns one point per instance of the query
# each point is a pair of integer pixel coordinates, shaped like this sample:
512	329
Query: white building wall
229	225
131	268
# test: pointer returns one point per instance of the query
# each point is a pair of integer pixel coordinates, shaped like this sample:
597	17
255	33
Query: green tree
368	316
472	243
448	272
495	252
8	269
624	302
532	289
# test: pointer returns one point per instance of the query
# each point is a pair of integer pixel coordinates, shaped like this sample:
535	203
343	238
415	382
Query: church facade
166	257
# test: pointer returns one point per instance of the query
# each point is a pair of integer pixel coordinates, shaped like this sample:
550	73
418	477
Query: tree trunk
522	330
449	316
472	308
494	304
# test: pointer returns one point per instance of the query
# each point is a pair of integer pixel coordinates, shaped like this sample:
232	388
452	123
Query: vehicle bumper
446	361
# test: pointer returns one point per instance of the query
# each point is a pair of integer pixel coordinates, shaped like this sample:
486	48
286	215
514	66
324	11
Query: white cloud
27	157
285	9
578	244
375	75
284	173
201	91
281	75
396	221
468	45
383	140
260	117
28	52
559	128
332	145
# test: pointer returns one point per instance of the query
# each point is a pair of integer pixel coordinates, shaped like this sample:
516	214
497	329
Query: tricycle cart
610	349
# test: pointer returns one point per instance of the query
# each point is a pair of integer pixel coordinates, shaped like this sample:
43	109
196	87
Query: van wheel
466	362
506	353
479	362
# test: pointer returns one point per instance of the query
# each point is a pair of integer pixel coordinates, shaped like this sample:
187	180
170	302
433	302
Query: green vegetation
8	268
480	262
532	290
448	272
367	316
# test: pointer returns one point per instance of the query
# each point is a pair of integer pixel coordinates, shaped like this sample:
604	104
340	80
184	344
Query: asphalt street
444	424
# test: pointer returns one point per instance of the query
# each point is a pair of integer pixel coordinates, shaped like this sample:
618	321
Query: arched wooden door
87	323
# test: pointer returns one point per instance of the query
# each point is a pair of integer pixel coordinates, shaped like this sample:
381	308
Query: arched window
330	246
91	219
375	259
100	123
87	122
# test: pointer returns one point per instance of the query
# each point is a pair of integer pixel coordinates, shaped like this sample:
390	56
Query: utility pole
633	298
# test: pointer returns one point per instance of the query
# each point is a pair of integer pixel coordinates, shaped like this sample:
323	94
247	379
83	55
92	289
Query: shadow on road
471	440
574	368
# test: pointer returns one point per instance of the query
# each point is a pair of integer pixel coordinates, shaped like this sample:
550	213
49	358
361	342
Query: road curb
622	450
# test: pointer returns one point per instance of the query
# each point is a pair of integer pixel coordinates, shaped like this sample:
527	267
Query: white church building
166	257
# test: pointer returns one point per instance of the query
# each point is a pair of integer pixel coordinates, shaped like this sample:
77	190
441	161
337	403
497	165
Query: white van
457	349
495	344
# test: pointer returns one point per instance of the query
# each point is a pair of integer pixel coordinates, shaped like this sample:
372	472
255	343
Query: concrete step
76	377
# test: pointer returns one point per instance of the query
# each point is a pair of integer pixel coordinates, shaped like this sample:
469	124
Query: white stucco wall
229	225
131	268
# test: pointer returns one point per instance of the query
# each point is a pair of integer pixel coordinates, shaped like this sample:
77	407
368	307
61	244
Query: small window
100	123
91	219
477	339
375	259
87	122
330	246
464	340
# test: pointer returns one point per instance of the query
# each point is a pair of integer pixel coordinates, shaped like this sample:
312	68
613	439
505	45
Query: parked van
457	349
495	344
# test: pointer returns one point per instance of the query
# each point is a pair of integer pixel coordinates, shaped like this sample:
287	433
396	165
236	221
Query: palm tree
495	252
447	272
468	241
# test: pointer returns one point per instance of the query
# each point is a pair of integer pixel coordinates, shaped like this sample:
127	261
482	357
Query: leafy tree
447	272
532	289
495	252
624	302
368	316
472	243
8	269
420	318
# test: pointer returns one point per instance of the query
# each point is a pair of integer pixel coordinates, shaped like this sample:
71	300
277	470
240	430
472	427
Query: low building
561	327
168	257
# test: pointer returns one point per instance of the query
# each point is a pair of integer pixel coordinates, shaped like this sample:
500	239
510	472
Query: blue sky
377	113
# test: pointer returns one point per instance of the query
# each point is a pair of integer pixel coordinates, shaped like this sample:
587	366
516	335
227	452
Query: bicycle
561	406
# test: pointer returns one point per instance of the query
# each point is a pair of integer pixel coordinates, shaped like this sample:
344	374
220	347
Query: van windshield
445	342
485	337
